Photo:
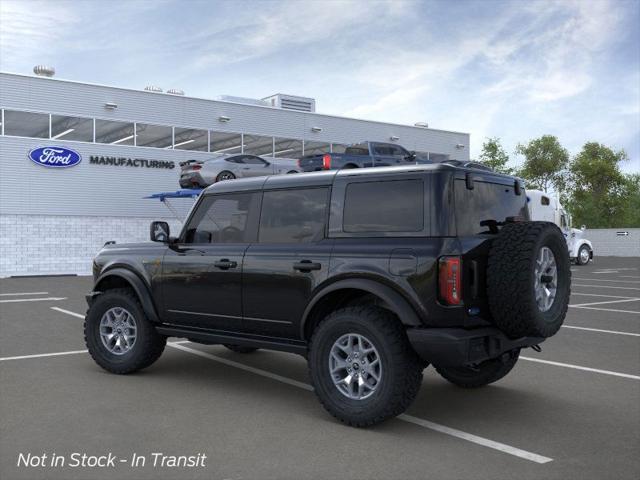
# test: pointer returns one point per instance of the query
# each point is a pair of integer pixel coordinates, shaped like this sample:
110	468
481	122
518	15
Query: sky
509	69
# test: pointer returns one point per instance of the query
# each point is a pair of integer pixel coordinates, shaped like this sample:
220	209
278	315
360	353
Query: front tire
483	374
584	255
362	367
118	334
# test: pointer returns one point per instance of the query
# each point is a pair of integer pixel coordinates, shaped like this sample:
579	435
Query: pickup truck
365	154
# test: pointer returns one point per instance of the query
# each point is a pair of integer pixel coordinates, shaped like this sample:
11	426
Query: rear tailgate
320	161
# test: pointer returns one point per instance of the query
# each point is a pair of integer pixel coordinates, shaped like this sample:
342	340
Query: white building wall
607	242
55	244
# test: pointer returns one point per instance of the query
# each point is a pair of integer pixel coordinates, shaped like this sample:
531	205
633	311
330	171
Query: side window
238	159
253	160
226	218
544	200
563	221
382	150
390	206
398	151
293	216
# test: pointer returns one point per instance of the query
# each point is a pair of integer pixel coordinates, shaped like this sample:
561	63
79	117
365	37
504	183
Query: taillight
326	162
196	167
299	163
450	280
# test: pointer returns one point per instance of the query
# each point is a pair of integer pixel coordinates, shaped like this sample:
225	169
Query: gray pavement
254	417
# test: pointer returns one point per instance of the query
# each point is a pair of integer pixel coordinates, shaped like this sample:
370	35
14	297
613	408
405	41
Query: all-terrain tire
511	279
483	374
240	348
401	369
148	345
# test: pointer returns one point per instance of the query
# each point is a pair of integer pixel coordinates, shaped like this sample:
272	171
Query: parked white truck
544	207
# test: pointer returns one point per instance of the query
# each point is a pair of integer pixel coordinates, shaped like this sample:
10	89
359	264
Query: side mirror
159	232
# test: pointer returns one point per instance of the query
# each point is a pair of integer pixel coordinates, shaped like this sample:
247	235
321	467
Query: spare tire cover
529	279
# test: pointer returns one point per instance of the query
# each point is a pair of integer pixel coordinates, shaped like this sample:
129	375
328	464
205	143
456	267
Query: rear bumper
453	347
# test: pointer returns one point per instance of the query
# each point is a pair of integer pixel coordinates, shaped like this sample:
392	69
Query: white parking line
602	331
597	295
41	355
579	367
608	310
632	299
16	300
406	418
62	310
22	293
604	286
603	280
629	276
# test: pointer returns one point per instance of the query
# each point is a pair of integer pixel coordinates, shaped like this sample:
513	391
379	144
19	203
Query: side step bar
213	337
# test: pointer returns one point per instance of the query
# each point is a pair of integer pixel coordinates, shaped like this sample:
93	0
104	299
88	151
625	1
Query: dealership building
127	144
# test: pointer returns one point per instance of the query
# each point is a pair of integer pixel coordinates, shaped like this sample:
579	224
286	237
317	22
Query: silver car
202	173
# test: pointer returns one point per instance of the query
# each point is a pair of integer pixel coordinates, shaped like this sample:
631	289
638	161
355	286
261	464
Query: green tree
494	156
545	163
600	195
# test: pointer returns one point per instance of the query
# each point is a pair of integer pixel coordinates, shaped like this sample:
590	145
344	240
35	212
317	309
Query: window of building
293	216
316	148
287	148
227	143
157	136
71	128
115	133
26	124
191	139
258	145
227	218
393	206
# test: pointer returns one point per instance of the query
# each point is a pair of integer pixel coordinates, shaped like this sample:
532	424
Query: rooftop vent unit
243	100
153	88
44	71
291	102
175	91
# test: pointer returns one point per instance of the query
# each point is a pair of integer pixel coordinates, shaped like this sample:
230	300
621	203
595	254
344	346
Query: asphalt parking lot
571	411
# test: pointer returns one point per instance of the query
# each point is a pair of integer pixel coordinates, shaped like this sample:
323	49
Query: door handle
225	264
306	266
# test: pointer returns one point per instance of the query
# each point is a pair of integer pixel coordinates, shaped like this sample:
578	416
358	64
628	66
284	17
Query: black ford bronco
371	274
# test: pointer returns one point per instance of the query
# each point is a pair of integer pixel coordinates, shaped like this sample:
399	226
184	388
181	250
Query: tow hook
537	348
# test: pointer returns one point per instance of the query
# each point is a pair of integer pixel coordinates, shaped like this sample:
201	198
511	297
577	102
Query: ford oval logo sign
55	157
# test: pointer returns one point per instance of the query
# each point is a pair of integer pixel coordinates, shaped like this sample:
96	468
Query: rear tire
487	372
388	386
240	348
225	175
104	322
529	279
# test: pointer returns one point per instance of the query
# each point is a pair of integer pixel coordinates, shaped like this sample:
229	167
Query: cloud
30	29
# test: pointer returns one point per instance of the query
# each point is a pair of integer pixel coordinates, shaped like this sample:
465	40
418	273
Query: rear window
360	149
392	206
487	201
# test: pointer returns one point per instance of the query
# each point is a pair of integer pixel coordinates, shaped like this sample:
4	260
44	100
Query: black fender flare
138	285
397	303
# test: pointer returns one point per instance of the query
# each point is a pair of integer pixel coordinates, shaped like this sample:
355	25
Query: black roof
325	178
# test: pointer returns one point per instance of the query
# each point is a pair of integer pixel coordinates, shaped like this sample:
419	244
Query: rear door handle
306	266
225	264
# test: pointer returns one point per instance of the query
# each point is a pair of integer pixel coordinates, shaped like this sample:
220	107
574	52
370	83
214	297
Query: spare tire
529	279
